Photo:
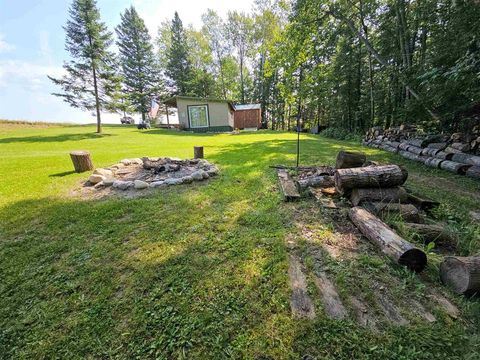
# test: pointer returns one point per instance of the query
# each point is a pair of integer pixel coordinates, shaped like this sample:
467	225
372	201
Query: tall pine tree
139	67
178	66
89	82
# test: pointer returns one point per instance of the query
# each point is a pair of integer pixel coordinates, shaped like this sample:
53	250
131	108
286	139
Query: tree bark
387	240
466	159
198	152
452	166
461	274
433	162
349	159
81	161
473	172
393	195
369	177
431	233
406	212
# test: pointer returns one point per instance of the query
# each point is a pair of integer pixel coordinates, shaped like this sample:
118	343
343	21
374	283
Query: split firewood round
369	177
461	274
81	161
395	194
387	240
349	159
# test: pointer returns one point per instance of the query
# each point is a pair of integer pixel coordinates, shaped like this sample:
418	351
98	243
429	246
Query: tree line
347	65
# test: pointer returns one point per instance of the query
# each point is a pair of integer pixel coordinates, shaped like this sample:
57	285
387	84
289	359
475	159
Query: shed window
198	116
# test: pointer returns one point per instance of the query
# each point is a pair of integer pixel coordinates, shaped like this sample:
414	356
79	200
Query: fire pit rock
152	172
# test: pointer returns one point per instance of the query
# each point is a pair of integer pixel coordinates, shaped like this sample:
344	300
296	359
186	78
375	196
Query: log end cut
462	275
414	259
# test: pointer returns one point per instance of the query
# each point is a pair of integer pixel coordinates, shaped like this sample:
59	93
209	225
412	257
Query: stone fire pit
151	172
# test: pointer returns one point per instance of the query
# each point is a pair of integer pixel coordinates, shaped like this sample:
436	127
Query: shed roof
173	100
248	107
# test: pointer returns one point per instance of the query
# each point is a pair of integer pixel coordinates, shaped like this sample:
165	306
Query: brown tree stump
198	152
461	274
81	161
348	159
387	240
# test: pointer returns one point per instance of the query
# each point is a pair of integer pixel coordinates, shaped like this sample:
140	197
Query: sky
32	46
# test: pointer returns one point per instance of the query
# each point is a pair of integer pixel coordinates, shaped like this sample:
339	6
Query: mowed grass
190	272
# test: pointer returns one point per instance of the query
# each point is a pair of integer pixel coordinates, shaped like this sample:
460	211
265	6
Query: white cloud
44	46
29	75
4	45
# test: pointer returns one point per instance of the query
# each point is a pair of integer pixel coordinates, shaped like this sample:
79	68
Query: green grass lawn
194	271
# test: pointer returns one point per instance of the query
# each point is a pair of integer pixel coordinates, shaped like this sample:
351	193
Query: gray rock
139	184
187	179
205	174
108	181
174	181
197	175
156	184
104	172
212	171
122	185
137	161
95	178
126	162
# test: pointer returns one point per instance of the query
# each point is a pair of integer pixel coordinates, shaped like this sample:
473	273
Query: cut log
449	149
438	146
436	233
473	172
460	146
393	195
407	212
461	274
466	159
349	159
421	143
316	181
81	161
387	240
455	167
369	177
198	152
290	191
422	203
444	155
416	150
433	162
409	155
403	146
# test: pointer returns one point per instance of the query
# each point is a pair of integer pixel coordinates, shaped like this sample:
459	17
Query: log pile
458	153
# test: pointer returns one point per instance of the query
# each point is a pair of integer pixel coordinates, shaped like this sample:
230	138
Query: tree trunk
394	195
406	212
461	274
81	161
433	162
466	159
422	203
168	120
348	159
439	146
387	240
317	181
369	177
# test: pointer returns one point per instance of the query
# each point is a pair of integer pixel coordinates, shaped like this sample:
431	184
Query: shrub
341	134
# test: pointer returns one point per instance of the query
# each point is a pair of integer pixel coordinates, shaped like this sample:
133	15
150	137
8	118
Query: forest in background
346	65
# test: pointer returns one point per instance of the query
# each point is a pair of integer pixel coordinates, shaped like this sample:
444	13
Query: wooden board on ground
301	303
333	305
290	191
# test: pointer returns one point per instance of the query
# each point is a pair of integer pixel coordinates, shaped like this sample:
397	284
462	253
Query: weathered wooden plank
333	305
290	191
300	302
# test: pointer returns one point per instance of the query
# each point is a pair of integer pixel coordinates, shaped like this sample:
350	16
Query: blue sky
32	46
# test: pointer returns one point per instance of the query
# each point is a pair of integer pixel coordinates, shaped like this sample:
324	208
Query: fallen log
392	195
387	240
473	172
461	274
460	146
449	149
290	191
349	159
433	162
438	146
422	203
416	150
455	167
444	155
316	181
369	177
410	156
436	233
406	212
421	143
466	159
403	146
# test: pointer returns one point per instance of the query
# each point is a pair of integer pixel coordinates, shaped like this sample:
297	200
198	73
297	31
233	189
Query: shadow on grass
62	174
56	138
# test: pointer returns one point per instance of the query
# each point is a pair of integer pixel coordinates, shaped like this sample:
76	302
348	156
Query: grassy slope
189	272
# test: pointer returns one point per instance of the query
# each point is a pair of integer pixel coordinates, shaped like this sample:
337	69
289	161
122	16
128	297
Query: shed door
198	116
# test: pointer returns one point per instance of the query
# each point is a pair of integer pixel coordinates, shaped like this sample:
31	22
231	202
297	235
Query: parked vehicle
127	120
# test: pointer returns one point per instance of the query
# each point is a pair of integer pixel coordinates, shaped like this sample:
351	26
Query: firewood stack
458	153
